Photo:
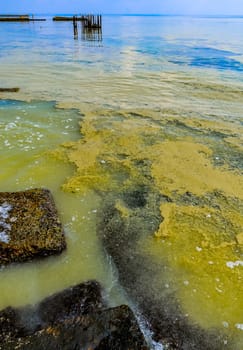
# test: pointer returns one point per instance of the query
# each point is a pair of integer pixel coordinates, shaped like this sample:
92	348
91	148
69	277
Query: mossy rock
74	319
29	226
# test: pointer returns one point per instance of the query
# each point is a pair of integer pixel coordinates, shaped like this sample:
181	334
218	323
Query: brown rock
75	301
74	319
111	329
29	226
14	89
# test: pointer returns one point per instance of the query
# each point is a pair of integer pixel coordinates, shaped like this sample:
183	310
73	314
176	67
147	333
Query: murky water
28	132
157	106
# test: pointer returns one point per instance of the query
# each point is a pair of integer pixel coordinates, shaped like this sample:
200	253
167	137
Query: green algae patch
197	242
185	166
236	142
201	246
211	90
202	239
109	156
114	152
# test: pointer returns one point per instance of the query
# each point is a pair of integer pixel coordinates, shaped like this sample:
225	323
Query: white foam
157	346
13	219
239	326
233	264
5	225
4	210
225	324
4	237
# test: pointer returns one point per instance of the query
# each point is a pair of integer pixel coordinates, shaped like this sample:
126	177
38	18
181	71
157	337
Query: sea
151	102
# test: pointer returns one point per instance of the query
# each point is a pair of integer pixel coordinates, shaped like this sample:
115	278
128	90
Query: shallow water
157	102
28	132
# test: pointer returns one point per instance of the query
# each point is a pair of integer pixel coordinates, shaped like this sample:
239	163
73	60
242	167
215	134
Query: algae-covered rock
29	226
76	318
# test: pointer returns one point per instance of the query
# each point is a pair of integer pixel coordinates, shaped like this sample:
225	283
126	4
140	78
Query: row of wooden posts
89	21
91	25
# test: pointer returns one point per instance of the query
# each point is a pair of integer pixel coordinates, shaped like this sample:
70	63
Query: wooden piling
91	25
75	27
93	21
89	20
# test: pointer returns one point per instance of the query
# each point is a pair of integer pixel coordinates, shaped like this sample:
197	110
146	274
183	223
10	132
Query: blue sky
211	7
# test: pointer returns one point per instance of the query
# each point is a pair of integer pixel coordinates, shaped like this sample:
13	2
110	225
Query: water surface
157	103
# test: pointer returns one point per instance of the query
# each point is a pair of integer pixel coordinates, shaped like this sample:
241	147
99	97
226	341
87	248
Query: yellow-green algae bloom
201	240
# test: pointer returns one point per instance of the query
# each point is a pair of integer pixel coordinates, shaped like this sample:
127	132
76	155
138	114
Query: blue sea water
203	42
130	50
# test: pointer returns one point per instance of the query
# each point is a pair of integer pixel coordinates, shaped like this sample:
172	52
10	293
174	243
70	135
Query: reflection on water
157	107
93	34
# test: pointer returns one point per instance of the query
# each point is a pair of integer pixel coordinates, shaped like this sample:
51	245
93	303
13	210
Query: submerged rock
29	226
14	89
76	318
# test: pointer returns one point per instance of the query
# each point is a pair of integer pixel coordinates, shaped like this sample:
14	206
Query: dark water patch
215	134
223	154
10	103
211	199
176	128
224	63
136	198
183	127
207	58
136	114
209	51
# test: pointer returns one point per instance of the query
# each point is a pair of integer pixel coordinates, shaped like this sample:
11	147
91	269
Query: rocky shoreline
79	317
76	318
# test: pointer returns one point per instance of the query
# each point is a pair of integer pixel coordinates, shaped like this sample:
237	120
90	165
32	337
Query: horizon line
132	14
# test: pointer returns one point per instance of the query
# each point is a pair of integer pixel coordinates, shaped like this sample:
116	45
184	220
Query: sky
190	7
